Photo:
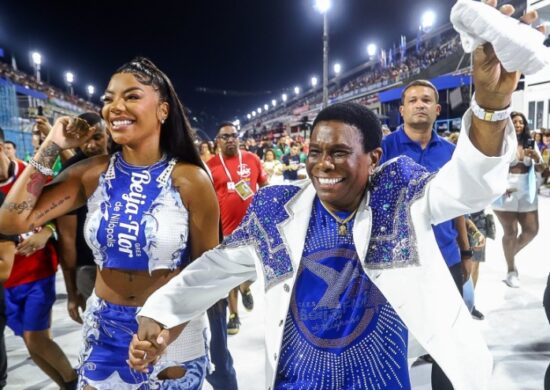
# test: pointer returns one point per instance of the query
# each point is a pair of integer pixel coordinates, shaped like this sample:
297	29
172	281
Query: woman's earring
163	120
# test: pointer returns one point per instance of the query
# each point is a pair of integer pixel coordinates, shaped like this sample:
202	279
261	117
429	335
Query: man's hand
74	302
42	125
494	85
147	346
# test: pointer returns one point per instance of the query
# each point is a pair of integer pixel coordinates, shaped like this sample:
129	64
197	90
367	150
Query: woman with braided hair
151	210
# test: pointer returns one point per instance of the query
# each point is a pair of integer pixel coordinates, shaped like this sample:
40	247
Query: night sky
251	49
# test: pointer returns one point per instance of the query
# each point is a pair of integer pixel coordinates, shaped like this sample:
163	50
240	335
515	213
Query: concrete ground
515	326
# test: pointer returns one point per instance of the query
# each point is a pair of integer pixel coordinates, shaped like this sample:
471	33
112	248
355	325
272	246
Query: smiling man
349	261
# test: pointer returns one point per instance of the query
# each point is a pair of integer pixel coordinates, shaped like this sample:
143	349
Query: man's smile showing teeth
120	123
329	181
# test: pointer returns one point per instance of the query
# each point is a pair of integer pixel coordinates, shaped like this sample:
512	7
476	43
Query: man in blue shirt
418	140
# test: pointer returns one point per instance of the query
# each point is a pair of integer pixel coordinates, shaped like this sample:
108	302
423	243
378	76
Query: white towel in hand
519	47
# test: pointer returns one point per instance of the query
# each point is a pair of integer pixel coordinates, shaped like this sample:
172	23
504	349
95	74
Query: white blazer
424	295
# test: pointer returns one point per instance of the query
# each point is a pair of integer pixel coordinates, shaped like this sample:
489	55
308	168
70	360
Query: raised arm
476	175
30	203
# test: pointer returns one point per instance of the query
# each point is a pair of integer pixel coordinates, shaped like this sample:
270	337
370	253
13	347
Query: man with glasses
237	174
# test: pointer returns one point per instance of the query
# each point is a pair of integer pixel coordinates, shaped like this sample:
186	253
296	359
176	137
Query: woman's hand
69	133
34	243
532	154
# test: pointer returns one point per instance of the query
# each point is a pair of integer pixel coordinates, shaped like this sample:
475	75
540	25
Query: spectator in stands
273	167
519	205
253	148
418	140
291	163
151	210
29	291
75	257
205	151
10	148
282	147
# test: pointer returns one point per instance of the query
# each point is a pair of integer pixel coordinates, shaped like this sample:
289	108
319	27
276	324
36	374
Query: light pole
69	78
36	61
323	6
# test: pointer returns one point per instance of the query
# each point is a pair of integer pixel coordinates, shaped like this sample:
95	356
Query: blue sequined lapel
394	188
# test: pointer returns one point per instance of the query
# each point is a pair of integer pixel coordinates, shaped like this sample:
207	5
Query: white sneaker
512	279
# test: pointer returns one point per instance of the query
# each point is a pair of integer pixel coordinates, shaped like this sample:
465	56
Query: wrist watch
489	115
466	253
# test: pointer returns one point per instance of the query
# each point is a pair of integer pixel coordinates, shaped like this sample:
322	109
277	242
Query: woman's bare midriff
130	288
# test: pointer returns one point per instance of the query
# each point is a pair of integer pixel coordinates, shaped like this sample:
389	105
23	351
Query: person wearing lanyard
237	174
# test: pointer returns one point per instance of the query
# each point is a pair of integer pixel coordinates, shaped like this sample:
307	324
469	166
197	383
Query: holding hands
150	342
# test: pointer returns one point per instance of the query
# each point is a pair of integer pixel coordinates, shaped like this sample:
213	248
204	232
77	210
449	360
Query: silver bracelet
489	115
40	168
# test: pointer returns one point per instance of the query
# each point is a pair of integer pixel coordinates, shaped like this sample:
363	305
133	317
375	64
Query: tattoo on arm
48	155
19	208
36	183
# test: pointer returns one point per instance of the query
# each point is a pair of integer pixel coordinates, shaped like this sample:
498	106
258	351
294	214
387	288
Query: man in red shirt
237	175
30	289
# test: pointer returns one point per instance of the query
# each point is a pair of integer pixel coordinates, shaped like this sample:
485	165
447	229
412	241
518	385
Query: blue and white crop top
136	219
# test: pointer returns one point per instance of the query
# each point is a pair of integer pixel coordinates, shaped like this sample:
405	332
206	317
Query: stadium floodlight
91	90
36	58
322	6
253	113
284	97
296	90
69	78
36	62
259	109
248	116
266	107
314	81
237	123
273	102
337	68
371	49
428	20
